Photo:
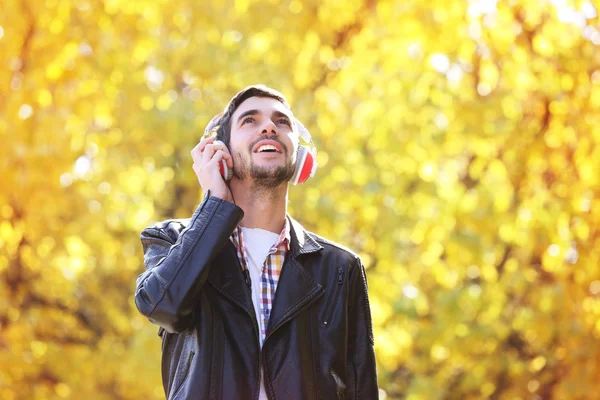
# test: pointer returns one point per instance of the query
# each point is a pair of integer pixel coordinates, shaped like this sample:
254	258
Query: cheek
294	143
236	145
239	151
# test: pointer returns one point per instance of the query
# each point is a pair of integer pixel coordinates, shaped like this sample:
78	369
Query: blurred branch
544	276
65	340
476	68
28	36
14	275
24	49
343	37
502	263
401	377
45	377
111	389
529	34
502	383
81	315
558	371
466	179
373	263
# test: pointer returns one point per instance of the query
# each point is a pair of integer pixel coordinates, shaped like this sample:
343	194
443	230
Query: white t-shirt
258	243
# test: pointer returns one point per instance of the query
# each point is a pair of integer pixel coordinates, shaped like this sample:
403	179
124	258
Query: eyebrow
277	114
246	113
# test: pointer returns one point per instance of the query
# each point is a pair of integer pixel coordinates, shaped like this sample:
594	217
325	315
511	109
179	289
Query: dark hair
224	131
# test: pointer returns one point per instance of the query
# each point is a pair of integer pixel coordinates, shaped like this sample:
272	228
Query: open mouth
267	146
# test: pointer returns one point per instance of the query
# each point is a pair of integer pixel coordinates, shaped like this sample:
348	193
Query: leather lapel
296	288
226	276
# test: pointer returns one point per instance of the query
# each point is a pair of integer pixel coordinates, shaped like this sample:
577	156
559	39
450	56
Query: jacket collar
295	290
227	277
302	242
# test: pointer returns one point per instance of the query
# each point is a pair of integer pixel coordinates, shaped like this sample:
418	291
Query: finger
219	145
199	148
208	153
220	155
206	141
229	158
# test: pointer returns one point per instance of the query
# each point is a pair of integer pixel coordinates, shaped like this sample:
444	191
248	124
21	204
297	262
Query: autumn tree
458	154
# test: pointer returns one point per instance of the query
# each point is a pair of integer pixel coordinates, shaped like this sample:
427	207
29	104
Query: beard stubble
264	177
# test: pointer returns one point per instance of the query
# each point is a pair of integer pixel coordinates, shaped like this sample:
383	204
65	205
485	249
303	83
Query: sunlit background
459	152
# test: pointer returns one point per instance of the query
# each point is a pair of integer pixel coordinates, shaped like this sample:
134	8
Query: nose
269	127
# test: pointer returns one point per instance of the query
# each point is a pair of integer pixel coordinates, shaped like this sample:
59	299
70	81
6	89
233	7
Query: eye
284	121
247	119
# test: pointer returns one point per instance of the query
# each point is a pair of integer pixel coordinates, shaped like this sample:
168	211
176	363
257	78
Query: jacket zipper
312	296
256	331
251	313
334	300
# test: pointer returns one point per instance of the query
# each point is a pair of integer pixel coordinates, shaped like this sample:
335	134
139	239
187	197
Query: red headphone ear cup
226	172
305	165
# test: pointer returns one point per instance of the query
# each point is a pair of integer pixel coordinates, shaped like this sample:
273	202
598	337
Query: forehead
265	105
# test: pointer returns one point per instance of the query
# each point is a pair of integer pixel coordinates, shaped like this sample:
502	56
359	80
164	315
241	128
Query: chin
272	175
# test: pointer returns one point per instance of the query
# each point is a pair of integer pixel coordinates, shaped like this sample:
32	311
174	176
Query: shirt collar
284	236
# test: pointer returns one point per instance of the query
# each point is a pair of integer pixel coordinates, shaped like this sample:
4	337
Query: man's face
263	142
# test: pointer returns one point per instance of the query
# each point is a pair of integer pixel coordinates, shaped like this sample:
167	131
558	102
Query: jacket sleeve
177	261
362	372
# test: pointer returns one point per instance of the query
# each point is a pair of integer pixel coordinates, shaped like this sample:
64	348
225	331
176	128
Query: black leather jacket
319	342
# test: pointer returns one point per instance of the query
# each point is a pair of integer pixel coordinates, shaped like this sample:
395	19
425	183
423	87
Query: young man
250	304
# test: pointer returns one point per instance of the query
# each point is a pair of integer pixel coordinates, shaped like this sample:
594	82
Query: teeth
266	147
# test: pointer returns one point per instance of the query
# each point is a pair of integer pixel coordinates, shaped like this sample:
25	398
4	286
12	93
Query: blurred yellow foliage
459	151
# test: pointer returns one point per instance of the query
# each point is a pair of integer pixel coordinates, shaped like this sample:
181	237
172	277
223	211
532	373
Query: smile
267	146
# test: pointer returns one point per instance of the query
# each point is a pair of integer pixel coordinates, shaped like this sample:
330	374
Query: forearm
169	291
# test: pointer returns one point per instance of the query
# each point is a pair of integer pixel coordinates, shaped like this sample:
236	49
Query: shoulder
332	251
340	251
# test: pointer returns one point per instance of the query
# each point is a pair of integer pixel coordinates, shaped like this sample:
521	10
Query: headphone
306	163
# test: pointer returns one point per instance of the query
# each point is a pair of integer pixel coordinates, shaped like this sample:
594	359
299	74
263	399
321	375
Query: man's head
224	131
258	128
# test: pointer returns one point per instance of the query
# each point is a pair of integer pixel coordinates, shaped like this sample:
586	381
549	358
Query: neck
263	208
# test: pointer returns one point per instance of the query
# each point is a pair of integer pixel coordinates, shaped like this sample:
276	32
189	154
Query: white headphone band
303	132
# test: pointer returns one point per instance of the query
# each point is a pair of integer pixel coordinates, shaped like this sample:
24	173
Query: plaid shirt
271	269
